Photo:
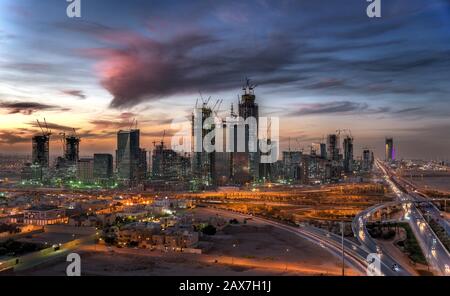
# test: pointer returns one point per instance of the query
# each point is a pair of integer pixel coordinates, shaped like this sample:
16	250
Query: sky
319	66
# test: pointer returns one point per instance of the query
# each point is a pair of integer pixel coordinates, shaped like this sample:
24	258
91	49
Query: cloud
74	92
326	83
126	120
330	108
14	137
28	108
52	126
138	68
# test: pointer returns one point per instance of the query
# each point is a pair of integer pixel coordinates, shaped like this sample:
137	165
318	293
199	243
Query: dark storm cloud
147	69
74	92
289	51
28	108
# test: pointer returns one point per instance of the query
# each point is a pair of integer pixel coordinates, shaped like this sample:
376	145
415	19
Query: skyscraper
348	154
334	157
291	163
85	170
103	166
72	148
40	151
367	160
389	150
130	161
333	147
323	150
249	109
203	162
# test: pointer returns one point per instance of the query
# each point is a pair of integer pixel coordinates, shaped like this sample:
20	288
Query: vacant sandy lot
244	249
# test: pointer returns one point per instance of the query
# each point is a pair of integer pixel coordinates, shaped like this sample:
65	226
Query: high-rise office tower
131	164
103	166
85	170
40	150
389	150
323	150
367	160
348	154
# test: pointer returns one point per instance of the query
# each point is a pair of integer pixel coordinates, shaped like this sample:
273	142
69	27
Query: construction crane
162	139
248	87
71	137
47	132
300	148
216	107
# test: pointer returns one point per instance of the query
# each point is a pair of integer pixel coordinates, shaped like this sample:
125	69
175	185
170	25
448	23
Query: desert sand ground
244	249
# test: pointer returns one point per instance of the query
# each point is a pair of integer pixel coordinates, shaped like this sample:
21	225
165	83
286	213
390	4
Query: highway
36	258
355	256
431	209
369	244
436	254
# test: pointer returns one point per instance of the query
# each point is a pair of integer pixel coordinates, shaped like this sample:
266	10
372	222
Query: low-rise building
44	215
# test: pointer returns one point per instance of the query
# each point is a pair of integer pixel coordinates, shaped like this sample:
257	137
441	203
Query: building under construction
248	108
167	164
72	148
203	162
41	150
41	146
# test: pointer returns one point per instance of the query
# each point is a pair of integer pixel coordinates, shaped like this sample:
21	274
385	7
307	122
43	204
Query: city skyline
331	68
249	139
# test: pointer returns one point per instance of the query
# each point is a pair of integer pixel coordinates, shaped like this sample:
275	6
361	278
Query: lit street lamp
232	257
287	251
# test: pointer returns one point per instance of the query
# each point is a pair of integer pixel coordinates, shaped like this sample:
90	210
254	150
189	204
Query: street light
232	257
287	251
